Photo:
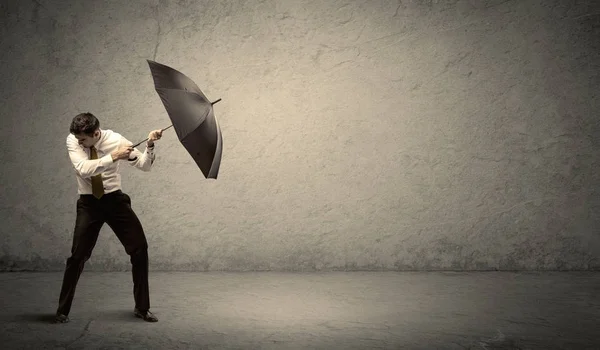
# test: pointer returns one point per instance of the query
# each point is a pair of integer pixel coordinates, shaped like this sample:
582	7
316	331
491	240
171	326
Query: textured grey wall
357	134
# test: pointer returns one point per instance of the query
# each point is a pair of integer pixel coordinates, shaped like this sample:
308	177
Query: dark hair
84	123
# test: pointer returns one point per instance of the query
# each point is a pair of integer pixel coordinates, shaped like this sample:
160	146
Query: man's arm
83	165
142	161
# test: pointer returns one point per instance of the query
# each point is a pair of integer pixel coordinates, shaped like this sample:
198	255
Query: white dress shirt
85	167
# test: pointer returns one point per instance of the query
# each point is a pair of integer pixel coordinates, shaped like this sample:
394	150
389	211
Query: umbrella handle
139	143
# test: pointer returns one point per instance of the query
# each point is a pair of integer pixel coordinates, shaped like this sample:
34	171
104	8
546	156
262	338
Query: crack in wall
157	18
83	333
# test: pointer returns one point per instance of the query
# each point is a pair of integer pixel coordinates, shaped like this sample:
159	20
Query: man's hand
122	153
153	136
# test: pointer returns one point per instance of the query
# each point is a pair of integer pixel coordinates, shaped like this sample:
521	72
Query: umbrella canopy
192	115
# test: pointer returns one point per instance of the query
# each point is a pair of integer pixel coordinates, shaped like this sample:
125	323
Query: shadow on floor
35	318
110	315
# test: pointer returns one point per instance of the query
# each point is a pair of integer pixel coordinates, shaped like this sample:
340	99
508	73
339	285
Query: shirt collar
99	140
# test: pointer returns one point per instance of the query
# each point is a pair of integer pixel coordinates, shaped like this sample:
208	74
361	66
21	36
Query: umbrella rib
193	92
184	90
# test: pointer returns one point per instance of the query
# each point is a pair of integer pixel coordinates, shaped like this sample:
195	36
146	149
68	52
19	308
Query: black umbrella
192	115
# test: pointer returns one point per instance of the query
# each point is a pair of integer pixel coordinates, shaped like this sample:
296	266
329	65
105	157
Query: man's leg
90	219
126	225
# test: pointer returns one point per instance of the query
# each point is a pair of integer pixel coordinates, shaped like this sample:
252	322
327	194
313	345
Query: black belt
117	192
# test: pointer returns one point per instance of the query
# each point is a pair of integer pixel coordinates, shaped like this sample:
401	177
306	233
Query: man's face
87	140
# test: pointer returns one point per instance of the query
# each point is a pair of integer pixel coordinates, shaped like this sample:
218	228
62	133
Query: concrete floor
329	310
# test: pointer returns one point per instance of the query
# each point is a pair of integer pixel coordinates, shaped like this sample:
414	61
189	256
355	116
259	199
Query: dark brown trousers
115	209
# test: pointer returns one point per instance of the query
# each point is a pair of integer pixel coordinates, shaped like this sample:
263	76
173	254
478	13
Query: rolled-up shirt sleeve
84	166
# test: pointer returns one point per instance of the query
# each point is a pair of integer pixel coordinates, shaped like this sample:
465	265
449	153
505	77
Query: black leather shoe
60	318
146	316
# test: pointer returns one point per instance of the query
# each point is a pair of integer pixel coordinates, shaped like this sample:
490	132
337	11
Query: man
96	154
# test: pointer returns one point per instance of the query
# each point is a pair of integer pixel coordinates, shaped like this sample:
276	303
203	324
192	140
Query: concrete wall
357	134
